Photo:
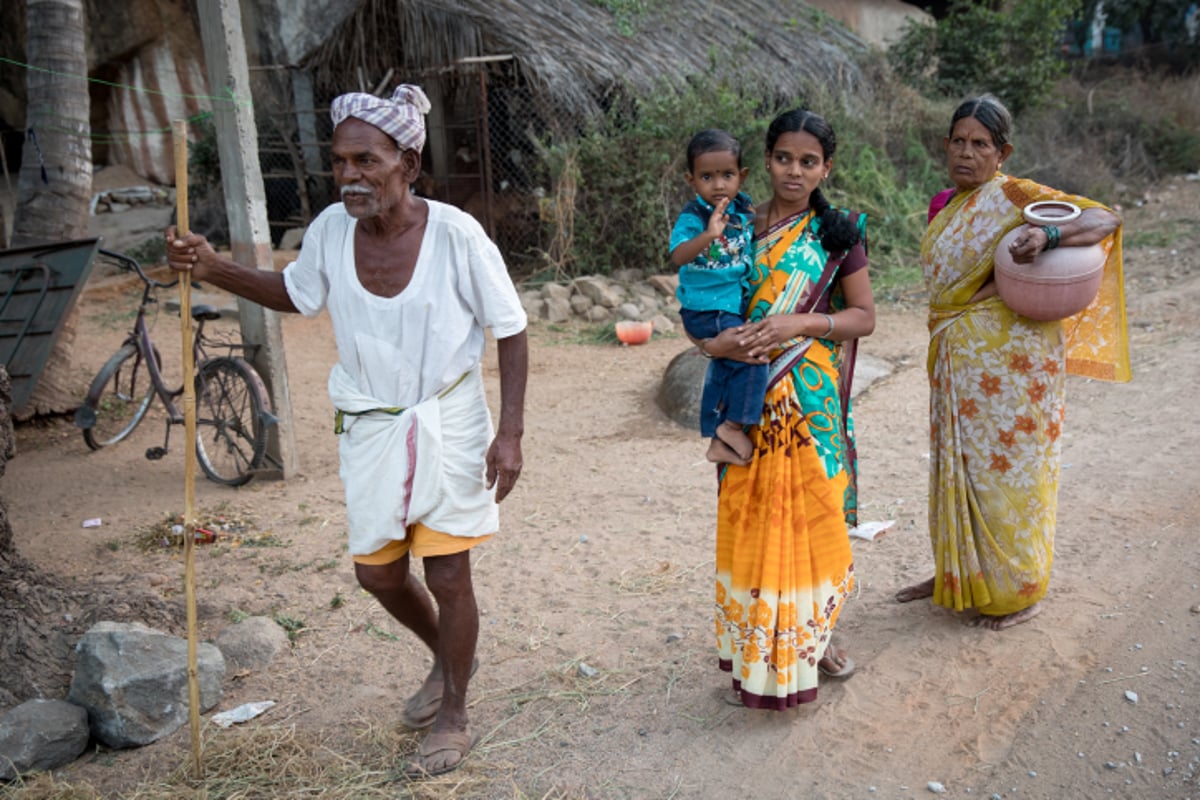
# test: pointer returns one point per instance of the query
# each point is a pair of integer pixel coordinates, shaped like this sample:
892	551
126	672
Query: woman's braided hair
837	231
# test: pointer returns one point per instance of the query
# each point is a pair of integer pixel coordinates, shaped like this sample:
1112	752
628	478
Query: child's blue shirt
716	279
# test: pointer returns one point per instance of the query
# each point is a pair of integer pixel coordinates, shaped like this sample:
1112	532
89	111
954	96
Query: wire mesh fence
481	154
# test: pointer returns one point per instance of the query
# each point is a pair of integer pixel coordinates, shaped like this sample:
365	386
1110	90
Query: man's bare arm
193	253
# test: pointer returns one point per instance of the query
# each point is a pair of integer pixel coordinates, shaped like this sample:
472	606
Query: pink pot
1058	283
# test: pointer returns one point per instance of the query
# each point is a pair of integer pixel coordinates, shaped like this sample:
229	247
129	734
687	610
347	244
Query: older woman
997	378
784	566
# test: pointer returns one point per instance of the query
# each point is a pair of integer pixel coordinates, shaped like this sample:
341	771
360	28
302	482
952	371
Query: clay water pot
1058	283
633	332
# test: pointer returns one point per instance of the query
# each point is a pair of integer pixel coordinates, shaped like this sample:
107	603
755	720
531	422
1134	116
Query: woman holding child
784	565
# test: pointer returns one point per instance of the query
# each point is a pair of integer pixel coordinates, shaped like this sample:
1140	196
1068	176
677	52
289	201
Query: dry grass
258	761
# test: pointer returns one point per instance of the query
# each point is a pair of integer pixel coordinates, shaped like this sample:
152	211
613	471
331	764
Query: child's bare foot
721	453
735	438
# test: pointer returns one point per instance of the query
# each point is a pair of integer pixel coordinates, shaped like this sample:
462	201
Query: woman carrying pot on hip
997	378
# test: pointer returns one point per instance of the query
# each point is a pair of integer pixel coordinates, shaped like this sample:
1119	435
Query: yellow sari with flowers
997	402
784	566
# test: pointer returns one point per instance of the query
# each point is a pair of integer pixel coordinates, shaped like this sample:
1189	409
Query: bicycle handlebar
130	263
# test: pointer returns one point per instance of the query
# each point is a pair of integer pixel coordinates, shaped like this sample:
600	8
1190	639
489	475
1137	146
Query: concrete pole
249	233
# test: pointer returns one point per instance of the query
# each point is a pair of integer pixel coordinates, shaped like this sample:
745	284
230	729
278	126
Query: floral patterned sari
997	382
784	565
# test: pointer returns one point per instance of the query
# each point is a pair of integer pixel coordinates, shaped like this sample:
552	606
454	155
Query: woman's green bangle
1052	236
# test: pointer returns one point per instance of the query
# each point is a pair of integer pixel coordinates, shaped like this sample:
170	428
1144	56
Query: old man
410	285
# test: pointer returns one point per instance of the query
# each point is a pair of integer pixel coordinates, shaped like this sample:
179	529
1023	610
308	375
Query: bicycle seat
206	313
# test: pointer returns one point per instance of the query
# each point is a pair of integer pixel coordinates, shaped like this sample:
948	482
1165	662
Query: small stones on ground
587	671
1032	774
1111	765
936	787
1131	695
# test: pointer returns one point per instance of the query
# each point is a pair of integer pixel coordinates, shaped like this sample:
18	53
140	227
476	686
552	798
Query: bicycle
233	411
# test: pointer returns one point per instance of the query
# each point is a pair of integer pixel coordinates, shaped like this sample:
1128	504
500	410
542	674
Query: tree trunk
55	184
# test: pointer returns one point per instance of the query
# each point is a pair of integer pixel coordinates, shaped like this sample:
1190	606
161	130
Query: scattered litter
94	522
243	713
586	671
870	531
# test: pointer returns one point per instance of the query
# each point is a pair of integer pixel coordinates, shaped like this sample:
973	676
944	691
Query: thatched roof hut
574	53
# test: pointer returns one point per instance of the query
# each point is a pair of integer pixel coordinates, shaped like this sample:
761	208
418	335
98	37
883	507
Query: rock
580	304
664	284
629	311
556	291
681	387
662	324
557	309
252	643
598	291
41	735
936	787
598	313
133	681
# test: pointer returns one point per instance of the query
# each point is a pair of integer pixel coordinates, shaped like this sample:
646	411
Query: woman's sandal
833	671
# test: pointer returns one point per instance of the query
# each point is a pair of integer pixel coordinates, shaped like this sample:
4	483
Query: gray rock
662	324
556	291
558	309
682	384
41	735
598	313
629	311
580	304
664	284
133	681
598	291
252	643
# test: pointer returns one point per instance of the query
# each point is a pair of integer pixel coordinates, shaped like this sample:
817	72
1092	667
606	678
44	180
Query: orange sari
784	566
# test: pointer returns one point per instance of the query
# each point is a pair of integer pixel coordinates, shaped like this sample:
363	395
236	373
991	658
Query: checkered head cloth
402	117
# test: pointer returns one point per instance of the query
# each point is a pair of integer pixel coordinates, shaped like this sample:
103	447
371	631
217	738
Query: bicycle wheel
118	398
230	435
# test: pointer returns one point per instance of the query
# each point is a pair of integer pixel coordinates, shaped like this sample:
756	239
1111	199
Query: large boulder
133	681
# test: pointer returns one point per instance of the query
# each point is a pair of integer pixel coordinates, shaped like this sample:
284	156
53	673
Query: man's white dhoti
425	463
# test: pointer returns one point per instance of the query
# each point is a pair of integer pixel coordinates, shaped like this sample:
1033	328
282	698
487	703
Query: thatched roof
577	51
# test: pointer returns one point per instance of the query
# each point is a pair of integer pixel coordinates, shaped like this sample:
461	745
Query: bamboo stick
189	459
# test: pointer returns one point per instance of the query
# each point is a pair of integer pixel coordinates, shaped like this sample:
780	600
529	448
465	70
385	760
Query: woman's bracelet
1052	236
826	334
700	347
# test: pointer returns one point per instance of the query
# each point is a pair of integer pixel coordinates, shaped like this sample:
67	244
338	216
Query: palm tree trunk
55	184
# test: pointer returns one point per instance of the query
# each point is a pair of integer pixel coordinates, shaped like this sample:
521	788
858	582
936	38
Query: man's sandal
440	753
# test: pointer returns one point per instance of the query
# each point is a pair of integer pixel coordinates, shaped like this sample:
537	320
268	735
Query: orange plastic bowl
633	332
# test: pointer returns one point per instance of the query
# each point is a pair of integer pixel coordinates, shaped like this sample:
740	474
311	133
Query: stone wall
596	299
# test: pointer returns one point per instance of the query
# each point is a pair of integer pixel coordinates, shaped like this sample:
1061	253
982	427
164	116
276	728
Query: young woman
784	565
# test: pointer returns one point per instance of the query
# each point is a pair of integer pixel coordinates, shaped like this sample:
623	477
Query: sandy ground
606	559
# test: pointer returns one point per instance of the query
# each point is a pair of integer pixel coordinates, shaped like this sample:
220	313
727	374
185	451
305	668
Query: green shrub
1011	51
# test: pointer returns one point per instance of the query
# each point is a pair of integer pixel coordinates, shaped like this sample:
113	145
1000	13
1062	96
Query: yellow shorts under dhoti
421	542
